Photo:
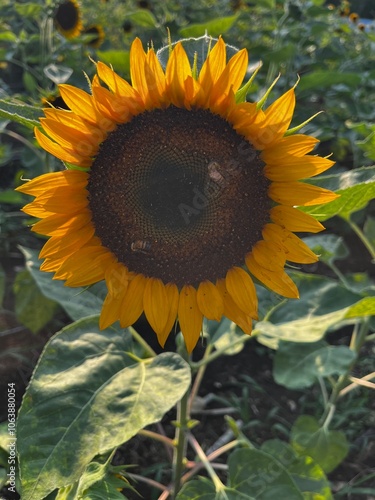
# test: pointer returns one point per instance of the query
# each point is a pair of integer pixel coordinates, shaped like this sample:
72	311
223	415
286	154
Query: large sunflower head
67	18
182	194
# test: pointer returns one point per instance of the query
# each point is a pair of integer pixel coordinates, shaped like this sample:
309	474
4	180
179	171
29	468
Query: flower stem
207	464
142	342
180	439
180	434
356	342
362	237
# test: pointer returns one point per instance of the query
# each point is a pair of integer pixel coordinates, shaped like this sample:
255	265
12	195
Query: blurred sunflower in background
97	35
67	18
176	188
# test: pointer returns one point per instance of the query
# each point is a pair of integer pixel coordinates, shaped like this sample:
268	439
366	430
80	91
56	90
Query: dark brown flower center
178	195
66	15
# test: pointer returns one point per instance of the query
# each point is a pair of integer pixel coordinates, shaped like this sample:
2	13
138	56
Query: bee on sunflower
176	193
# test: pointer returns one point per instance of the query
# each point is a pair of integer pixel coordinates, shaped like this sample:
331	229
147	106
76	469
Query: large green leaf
298	365
254	471
142	18
356	189
203	489
225	336
119	59
329	247
86	397
214	27
21	113
77	302
32	308
327	448
324	304
308	475
323	79
200	488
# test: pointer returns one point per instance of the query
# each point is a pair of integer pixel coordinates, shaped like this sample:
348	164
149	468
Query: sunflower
178	194
67	18
97	33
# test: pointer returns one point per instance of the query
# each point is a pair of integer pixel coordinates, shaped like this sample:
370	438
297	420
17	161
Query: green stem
205	461
362	237
180	439
142	342
156	437
180	434
199	376
205	361
356	342
339	274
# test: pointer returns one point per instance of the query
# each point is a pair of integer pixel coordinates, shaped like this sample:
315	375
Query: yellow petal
52	180
269	255
295	249
58	245
172	298
277	281
111	309
177	71
137	69
291	168
37	210
61	225
232	76
59	152
242	290
213	66
299	193
155	304
132	306
117	84
232	311
81	268
82	104
296	145
210	301
278	117
71	139
190	317
155	79
115	108
63	200
69	118
294	220
117	278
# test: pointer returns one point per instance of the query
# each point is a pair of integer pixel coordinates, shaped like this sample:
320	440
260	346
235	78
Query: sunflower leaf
356	188
307	474
324	304
262	474
142	18
20	113
77	302
324	79
99	396
298	365
214	27
327	448
32	308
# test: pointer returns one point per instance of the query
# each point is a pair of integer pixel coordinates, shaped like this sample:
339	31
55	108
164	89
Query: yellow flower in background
97	33
67	18
179	187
